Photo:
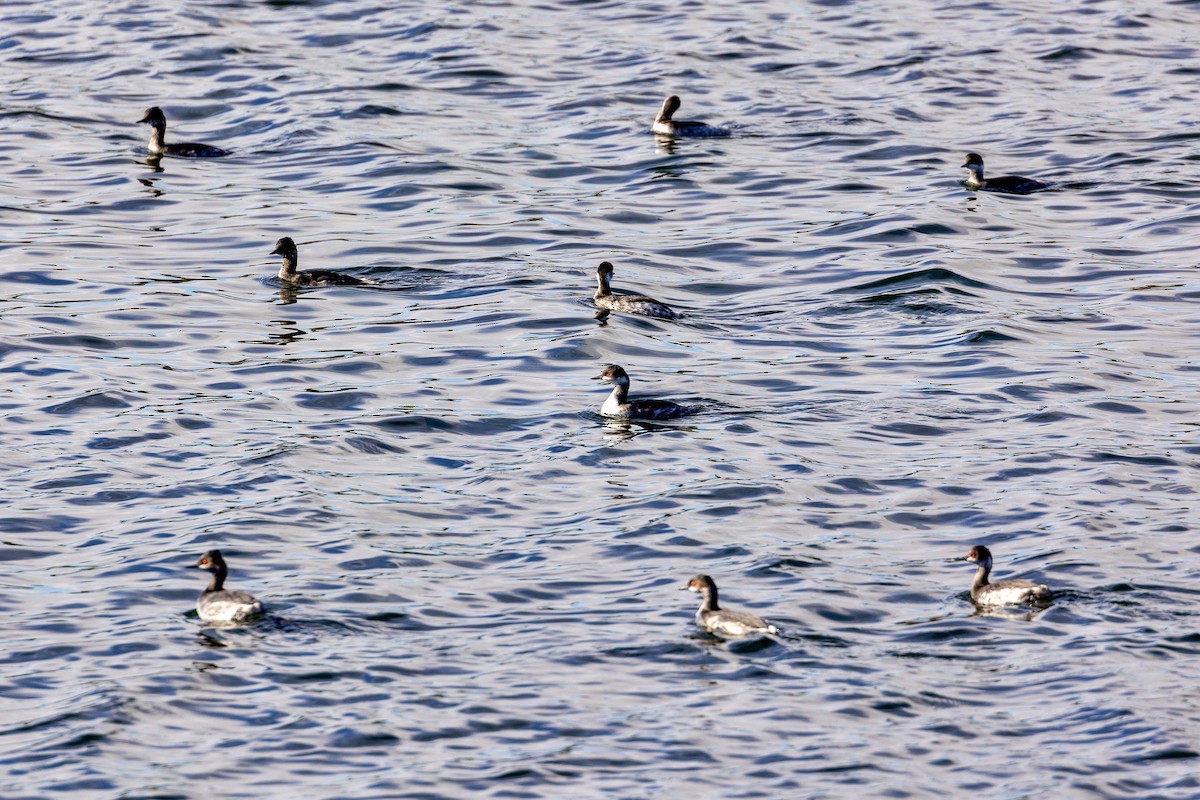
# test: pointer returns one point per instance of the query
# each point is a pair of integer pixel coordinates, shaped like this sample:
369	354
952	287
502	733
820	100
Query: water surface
473	578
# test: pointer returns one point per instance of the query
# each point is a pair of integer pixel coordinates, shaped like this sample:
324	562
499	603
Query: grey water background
473	578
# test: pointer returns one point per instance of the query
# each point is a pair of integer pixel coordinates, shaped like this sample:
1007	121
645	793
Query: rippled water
472	576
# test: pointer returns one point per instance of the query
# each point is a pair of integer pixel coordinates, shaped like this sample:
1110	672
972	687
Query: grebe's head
613	374
285	247
979	555
212	561
700	583
155	117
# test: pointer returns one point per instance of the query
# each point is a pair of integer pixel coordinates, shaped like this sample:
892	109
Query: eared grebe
217	604
1008	184
158	130
1001	593
618	403
629	303
287	270
715	619
665	126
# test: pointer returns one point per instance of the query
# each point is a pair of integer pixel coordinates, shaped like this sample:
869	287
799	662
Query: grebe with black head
158	146
1005	184
666	125
1001	593
627	303
723	622
318	277
619	405
218	604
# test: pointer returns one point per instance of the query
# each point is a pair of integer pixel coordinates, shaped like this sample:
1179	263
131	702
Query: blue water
473	577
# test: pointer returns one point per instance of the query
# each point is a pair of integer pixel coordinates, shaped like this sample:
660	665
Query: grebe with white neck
289	274
723	622
159	147
627	303
1006	184
1001	593
664	125
619	405
218	604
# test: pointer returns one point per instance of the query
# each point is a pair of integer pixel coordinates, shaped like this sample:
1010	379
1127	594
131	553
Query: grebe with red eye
1001	593
218	604
715	619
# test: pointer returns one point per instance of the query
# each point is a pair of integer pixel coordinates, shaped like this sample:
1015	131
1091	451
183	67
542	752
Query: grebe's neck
975	174
602	285
217	581
617	403
669	106
158	134
287	270
983	570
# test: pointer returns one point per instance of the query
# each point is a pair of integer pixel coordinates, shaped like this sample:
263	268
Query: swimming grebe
618	403
665	126
628	303
158	130
715	619
1008	184
287	271
217	604
1001	593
